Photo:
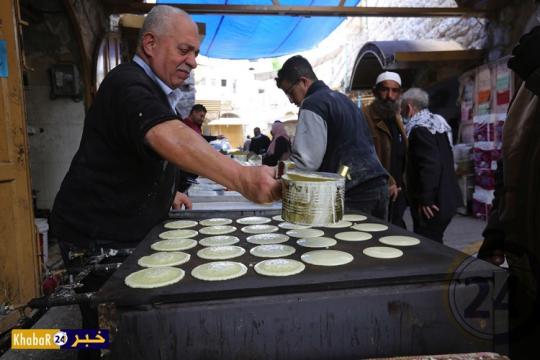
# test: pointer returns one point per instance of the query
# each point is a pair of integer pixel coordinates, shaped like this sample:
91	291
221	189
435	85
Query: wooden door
19	265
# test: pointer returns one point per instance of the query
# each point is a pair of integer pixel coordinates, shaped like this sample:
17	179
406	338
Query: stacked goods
492	96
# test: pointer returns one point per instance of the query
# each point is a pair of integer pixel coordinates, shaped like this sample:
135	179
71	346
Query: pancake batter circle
353	236
221	252
382	252
174	245
217	230
327	257
180	224
398	240
272	250
171	258
279	267
178	234
305	233
372	227
215	222
253	220
219	240
291	226
316	242
219	271
154	277
354	217
259	229
272	238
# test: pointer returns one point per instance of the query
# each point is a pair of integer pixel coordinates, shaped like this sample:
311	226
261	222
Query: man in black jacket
332	132
431	181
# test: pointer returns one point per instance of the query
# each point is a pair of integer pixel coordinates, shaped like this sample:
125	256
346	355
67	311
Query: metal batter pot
313	198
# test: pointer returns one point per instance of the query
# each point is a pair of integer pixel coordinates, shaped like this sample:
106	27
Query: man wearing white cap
390	140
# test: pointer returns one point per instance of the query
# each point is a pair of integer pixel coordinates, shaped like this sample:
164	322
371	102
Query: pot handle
283	167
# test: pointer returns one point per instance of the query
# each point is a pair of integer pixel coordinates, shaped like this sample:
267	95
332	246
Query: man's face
172	54
388	90
295	91
198	117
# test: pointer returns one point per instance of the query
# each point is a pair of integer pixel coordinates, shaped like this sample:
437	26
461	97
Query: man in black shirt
259	143
124	176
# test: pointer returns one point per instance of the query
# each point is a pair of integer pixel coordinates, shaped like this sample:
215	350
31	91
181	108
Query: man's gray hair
416	97
156	21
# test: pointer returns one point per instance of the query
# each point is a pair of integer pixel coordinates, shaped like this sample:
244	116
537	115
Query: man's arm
175	142
310	141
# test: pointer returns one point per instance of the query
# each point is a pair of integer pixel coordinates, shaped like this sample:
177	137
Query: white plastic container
43	244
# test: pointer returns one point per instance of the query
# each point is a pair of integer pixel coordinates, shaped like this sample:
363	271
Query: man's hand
496	257
428	211
258	184
393	192
181	200
526	57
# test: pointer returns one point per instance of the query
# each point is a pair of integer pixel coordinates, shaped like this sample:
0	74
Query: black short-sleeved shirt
259	144
117	188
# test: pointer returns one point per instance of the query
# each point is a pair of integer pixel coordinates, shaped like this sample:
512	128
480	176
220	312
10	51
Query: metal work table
420	303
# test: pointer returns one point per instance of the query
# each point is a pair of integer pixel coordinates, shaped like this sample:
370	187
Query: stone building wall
334	57
340	49
504	31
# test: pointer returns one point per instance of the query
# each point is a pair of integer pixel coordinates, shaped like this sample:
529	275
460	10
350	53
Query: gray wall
55	126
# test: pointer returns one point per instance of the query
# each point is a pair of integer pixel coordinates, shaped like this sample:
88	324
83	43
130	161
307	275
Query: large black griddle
427	262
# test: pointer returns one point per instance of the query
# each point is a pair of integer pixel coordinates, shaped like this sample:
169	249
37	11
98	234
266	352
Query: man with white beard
390	141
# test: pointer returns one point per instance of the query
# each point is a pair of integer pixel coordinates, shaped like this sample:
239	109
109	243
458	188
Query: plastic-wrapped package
486	154
482	200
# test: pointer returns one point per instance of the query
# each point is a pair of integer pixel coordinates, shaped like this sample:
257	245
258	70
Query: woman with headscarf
280	146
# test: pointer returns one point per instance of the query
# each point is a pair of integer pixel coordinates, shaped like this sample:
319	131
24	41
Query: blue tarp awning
262	36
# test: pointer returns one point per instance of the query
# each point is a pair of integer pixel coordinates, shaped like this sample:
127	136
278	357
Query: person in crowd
259	142
195	121
390	141
513	229
245	147
332	132
280	146
123	178
431	181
